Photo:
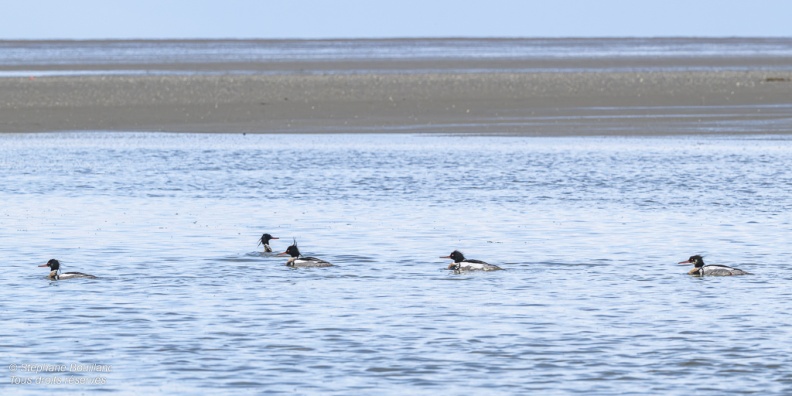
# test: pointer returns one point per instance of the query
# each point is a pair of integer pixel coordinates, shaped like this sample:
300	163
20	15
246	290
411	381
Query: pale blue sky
100	19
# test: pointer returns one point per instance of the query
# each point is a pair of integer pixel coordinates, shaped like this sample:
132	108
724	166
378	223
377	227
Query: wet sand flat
534	103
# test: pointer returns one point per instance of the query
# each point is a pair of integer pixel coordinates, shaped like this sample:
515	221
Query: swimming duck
713	269
462	264
265	240
302	262
54	266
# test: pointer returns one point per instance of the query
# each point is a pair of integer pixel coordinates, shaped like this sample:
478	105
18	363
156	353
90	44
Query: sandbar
528	103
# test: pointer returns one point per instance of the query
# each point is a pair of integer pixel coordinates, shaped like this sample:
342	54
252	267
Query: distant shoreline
544	97
397	56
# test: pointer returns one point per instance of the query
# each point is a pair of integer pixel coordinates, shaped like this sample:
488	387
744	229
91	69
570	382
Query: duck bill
282	254
448	257
684	263
44	265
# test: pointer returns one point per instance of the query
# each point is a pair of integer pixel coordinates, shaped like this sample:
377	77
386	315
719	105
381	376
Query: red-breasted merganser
265	240
462	264
302	262
54	266
712	269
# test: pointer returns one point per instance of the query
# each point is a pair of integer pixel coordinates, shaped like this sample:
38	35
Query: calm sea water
41	58
589	231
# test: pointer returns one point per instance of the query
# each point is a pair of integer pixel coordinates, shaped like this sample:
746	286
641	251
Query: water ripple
589	231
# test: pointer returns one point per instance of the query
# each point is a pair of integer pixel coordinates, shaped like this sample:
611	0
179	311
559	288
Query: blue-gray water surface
589	231
122	57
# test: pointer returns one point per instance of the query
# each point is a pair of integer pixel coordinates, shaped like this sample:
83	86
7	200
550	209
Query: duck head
266	238
456	255
291	250
696	260
54	266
